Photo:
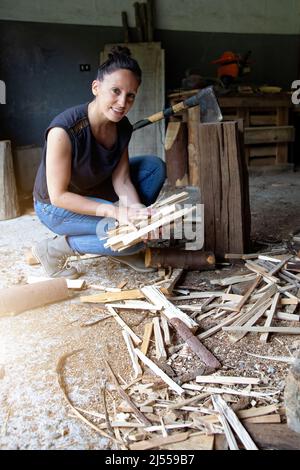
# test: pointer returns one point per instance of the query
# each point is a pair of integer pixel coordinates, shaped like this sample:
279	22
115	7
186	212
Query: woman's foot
136	262
53	254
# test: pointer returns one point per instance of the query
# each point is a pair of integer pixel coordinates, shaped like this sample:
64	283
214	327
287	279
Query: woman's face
115	94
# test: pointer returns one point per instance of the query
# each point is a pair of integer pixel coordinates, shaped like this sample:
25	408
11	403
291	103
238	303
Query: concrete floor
33	413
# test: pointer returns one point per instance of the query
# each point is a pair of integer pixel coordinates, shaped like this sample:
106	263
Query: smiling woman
86	169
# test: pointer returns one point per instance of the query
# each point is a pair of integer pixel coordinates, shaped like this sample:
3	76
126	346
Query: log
193	342
18	299
9	204
175	258
176	153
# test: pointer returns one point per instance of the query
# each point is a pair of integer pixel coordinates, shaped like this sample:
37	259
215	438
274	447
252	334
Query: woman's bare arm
58	173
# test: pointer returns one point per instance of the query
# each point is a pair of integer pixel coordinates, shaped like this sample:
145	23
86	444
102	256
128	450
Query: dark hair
119	58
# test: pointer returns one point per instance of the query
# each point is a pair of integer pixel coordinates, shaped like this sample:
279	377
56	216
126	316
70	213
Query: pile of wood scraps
167	408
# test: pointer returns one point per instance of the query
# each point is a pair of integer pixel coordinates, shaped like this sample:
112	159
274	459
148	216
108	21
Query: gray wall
39	63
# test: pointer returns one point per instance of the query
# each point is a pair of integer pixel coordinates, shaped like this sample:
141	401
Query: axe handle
188	103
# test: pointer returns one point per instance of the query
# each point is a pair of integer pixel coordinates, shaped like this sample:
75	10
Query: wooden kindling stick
193	342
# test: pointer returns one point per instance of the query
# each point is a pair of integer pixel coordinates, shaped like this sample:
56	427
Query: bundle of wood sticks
166	212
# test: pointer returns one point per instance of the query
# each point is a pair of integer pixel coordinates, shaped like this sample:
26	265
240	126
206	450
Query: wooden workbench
267	132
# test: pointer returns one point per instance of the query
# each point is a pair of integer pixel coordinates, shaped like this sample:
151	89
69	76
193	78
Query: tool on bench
205	98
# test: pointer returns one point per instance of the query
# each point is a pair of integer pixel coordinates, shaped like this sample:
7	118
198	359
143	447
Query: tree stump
9	204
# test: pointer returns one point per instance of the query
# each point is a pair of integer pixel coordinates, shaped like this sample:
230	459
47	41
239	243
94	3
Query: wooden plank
229	391
159	343
248	293
255	101
146	338
260	270
260	310
135	305
9	203
121	322
206	185
211	331
135	363
165	327
262	151
227	430
154	295
264	419
262	119
168	286
217	379
159	372
259	411
263	162
269	135
239	429
283	330
176	153
227	281
106	297
125	397
193	145
271	313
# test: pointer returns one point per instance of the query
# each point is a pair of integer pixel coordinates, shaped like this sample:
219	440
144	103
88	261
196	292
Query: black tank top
92	164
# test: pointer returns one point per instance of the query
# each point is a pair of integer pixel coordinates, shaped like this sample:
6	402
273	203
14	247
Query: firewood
159	372
121	322
239	429
125	397
154	295
217	379
159	343
264	336
106	297
135	363
146	337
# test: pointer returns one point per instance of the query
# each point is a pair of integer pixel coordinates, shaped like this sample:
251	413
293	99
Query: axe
205	98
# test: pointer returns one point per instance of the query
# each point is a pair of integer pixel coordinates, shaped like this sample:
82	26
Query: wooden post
193	145
138	21
125	26
9	205
150	19
176	153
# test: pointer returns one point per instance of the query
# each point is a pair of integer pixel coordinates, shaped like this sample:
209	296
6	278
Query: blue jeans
86	233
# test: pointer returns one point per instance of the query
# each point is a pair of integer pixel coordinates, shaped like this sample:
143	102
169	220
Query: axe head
209	107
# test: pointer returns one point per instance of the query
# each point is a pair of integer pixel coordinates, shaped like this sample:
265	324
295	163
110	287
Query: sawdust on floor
33	412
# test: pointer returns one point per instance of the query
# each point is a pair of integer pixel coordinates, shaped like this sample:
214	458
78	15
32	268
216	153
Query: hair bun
118	51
